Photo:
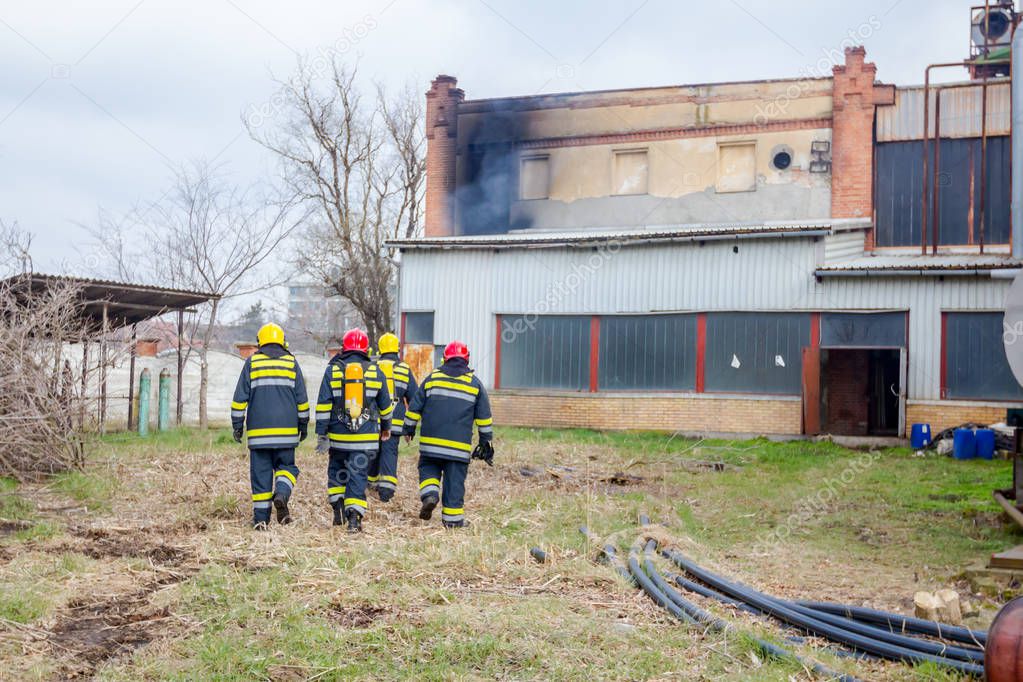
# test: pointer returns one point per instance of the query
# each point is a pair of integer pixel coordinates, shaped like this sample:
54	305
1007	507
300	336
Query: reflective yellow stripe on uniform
354	437
268	364
484	422
302	407
389	479
324	407
453	511
286	474
355	502
428	482
387	411
262	497
336	490
286	431
443	442
437	383
239	406
265	373
413	416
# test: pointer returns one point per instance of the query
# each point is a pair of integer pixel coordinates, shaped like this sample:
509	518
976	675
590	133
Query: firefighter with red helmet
353	414
449	402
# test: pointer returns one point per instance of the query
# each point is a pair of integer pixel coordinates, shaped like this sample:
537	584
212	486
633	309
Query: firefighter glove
484	450
237	435
303	432
322	444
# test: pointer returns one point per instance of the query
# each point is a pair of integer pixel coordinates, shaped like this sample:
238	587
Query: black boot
338	520
281	505
455	524
385	494
429	504
354	521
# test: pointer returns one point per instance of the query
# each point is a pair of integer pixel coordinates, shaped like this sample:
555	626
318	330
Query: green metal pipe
164	407
144	391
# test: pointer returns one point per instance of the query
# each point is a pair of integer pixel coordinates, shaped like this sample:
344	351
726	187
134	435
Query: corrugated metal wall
468	288
960	113
843	245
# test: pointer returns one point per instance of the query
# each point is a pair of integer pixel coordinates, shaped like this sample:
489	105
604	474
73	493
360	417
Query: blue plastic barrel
985	443
964	444
920	436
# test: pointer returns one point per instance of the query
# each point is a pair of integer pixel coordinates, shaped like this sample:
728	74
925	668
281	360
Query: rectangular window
630	172
737	167
550	351
654	352
755	352
535	178
863	330
419	328
975	363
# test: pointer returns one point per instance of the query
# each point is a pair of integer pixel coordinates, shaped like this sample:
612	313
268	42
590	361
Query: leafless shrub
38	402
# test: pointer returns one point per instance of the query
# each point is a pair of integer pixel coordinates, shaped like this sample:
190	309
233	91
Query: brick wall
855	97
659	413
948	413
442	102
847	403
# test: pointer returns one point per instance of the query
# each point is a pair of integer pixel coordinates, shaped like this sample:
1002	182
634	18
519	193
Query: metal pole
85	384
937	172
1016	67
131	378
181	367
983	158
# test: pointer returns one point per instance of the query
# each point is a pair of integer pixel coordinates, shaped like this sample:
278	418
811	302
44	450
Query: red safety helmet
456	349
355	339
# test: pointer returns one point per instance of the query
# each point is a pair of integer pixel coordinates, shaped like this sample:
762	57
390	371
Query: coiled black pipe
611	556
782	612
696	614
899	623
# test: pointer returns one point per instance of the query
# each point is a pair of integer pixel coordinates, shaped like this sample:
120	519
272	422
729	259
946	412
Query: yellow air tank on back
387	369
355	390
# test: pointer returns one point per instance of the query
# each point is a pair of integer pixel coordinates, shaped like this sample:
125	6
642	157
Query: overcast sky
99	100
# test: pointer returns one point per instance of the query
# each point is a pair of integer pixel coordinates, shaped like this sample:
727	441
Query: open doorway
860	391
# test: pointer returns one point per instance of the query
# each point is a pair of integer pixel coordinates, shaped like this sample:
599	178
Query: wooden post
131	379
181	368
103	373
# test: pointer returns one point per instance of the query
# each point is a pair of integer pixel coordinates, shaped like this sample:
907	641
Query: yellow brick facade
949	413
687	413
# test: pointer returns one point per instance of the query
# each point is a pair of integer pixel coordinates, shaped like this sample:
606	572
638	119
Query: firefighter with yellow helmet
270	400
401	385
353	414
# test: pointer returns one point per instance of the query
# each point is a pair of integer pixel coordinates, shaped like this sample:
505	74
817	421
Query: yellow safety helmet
388	343
270	333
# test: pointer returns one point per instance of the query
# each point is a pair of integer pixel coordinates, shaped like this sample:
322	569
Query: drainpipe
1017	145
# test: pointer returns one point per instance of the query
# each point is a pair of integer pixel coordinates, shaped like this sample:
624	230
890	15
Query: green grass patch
93	489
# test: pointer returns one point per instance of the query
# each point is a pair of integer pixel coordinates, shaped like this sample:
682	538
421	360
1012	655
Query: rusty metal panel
960	113
419	357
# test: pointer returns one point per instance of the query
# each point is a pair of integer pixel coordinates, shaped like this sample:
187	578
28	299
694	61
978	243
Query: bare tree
207	235
361	168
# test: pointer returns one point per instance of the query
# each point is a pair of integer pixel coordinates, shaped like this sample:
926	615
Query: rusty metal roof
909	264
126	303
597	236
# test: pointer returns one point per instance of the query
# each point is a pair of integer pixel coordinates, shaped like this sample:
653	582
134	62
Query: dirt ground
144	567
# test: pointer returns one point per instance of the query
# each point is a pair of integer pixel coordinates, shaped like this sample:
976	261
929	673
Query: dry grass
149	570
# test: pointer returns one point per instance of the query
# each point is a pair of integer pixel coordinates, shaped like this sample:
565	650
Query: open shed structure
107	306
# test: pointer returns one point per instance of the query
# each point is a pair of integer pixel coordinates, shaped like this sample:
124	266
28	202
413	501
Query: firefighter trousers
383	470
446	477
346	478
270	469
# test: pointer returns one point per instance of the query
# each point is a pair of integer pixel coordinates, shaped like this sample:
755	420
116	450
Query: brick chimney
442	102
146	348
855	96
246	349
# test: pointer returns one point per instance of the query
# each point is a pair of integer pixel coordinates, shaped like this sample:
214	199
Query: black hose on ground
696	614
538	554
899	623
812	624
610	555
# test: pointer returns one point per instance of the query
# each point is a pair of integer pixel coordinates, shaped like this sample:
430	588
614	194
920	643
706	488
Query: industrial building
793	256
